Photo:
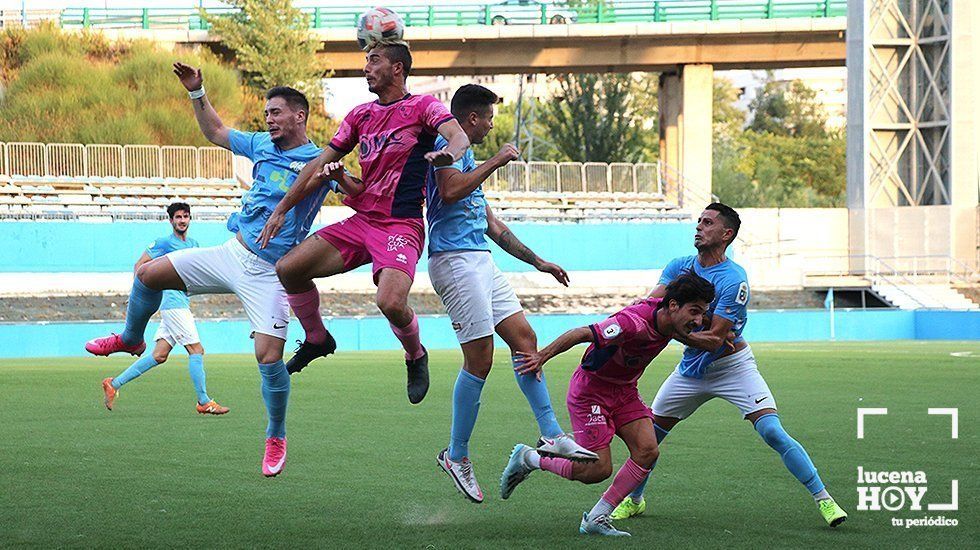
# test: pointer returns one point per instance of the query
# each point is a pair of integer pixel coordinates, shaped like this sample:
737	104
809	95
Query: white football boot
462	475
564	446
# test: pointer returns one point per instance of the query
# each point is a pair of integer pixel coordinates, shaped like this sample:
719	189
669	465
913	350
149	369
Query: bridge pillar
912	140
685	102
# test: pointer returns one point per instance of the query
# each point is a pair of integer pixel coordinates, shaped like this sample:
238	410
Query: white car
528	12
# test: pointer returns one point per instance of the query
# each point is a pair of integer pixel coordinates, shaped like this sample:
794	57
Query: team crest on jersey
395	242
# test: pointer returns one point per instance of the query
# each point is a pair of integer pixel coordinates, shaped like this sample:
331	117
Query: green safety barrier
501	13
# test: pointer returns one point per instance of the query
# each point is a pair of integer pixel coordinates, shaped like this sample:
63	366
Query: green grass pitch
361	470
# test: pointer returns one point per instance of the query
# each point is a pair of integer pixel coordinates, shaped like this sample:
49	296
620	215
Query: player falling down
176	322
603	399
394	137
727	372
240	266
477	297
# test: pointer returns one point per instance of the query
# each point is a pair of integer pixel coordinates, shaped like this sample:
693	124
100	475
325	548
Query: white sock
532	460
601	508
822	495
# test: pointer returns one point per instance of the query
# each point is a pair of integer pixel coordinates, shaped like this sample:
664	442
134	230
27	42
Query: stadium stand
71	180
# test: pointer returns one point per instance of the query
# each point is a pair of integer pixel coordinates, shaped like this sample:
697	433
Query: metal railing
576	177
78	161
491	13
895	270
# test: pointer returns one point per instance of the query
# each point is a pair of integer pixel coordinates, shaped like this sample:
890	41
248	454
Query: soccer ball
379	26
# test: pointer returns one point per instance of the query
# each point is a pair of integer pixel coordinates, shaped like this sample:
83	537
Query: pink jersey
624	344
392	140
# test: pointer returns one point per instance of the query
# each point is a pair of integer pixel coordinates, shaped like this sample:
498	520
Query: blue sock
140	366
536	393
792	453
195	365
275	392
637	493
143	302
466	405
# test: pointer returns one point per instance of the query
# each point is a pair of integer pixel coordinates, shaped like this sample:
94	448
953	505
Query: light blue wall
114	247
372	333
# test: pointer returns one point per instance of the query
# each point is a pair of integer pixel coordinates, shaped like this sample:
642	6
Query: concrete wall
778	245
372	333
114	247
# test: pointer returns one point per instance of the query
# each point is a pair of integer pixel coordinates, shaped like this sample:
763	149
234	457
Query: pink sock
409	337
627	479
306	306
558	466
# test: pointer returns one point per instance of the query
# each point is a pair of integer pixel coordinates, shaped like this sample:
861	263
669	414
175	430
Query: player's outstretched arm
207	118
315	174
505	239
533	362
455	185
456	146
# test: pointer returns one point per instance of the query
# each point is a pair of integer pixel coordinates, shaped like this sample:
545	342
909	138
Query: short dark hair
177	207
689	287
292	96
472	98
397	53
729	215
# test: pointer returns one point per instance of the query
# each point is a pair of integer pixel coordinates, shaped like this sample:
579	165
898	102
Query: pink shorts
598	408
388	243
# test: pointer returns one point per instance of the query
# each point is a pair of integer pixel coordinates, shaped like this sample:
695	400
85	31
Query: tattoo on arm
511	245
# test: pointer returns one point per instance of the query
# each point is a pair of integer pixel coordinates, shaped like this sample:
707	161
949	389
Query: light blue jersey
172	299
273	174
461	225
731	302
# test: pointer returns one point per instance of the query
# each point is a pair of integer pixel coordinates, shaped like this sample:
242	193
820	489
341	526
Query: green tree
727	119
274	47
785	158
272	44
788	109
600	118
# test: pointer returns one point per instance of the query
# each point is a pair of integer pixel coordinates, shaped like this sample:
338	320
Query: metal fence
74	161
575	177
77	161
338	15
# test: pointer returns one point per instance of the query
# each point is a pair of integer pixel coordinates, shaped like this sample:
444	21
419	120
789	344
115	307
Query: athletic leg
312	258
158	357
275	388
195	367
678	397
477	360
454	460
392	300
641	440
